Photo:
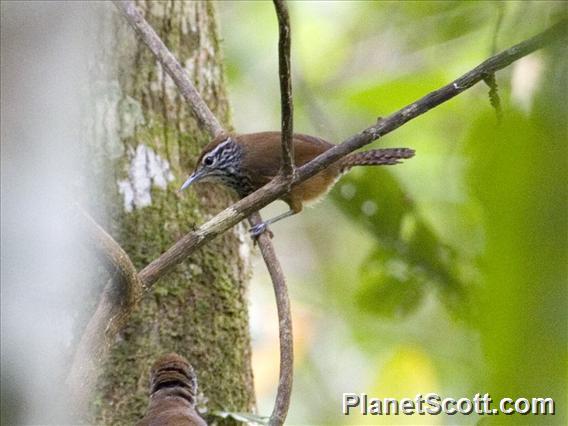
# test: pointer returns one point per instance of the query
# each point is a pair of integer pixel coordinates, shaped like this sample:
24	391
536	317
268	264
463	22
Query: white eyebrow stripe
219	147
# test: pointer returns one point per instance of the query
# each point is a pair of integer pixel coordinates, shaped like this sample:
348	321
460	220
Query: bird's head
218	162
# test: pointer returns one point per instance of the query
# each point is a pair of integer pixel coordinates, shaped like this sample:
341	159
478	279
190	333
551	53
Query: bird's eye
208	161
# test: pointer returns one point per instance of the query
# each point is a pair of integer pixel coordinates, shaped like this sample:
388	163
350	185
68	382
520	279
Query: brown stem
278	186
113	255
431	100
109	305
111	316
121	294
286	374
285	75
284	324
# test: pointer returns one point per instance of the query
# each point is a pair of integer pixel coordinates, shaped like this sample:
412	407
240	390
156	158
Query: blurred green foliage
408	254
456	259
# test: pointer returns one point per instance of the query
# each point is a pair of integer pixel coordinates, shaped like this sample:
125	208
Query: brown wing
261	157
263	153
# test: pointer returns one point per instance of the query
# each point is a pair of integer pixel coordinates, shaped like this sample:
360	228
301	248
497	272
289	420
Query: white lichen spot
369	208
348	191
156	85
146	169
125	189
191	17
163	80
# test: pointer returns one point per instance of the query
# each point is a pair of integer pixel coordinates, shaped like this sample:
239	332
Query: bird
173	387
246	162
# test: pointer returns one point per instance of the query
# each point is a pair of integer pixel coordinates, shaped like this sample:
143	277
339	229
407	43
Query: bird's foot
261	228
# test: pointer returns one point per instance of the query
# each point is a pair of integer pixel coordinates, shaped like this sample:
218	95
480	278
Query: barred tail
376	157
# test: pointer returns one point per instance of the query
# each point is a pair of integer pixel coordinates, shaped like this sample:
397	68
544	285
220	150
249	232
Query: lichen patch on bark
200	308
146	169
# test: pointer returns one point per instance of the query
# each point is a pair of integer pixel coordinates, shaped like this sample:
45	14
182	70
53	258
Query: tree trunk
146	142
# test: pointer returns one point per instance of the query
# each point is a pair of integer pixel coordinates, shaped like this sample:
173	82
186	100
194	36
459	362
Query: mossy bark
149	143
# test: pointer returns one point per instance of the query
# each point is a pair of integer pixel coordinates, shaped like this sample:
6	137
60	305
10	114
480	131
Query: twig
114	255
286	375
204	116
278	186
120	295
284	326
207	120
287	107
431	100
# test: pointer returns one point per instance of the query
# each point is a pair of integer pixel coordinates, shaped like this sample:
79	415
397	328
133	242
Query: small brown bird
173	386
247	162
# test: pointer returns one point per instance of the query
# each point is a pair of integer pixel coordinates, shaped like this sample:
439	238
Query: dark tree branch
110	315
278	186
286	375
207	120
120	296
204	116
113	255
285	75
211	229
92	348
431	100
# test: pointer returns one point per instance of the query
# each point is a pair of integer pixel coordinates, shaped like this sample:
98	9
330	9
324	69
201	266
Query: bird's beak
195	176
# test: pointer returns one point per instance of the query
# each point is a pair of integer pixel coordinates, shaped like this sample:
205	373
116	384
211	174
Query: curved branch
112	316
284	72
286	374
120	295
431	100
279	186
113	255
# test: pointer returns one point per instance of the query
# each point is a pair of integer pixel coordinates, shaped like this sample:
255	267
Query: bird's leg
295	207
256	230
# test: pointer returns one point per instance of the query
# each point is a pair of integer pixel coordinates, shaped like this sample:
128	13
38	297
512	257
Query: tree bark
145	144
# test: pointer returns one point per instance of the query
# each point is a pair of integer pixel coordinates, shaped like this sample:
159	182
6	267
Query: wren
245	163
